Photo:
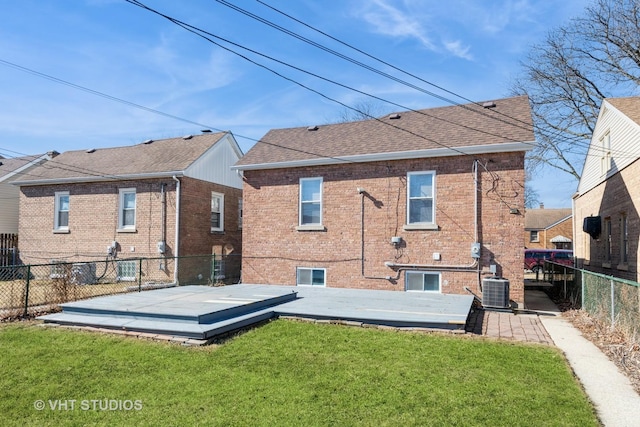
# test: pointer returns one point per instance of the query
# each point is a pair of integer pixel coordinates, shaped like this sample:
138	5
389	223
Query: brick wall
93	222
564	228
617	196
273	248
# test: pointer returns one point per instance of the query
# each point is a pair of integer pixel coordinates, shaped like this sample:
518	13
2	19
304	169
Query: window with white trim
624	239
534	236
605	159
240	213
126	271
607	241
310	276
217	211
422	281
421	197
61	217
127	209
310	201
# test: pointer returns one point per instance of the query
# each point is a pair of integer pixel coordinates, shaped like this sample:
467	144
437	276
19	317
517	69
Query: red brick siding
273	248
93	222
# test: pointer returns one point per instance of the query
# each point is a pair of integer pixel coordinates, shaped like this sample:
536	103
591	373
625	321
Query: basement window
126	271
422	281
310	276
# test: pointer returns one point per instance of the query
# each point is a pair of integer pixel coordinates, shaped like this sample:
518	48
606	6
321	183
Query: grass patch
287	373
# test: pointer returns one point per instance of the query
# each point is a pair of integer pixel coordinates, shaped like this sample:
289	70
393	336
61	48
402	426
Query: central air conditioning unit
495	293
83	273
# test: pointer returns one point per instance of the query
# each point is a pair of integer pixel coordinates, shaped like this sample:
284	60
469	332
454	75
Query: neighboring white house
606	220
10	170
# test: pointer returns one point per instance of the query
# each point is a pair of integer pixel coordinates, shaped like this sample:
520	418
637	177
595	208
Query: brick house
548	228
607	224
10	170
167	198
426	200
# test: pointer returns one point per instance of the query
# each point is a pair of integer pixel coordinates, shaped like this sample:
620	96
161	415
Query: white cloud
456	48
390	21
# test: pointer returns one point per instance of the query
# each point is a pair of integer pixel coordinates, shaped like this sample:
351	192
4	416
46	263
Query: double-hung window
217	211
310	201
127	209
421	198
624	239
61	217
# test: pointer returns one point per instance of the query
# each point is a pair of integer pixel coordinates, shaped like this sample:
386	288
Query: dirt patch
621	349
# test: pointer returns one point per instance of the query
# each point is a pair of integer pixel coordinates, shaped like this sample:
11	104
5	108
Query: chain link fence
612	300
37	288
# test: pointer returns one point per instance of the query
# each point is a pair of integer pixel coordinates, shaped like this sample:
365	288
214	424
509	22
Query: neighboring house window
534	236
126	271
240	213
218	269
310	201
310	276
217	211
61	221
605	160
607	241
624	239
420	198
127	210
422	281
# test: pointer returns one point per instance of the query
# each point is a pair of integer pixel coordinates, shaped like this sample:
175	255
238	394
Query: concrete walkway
611	392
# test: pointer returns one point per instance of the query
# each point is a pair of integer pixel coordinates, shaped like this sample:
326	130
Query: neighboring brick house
421	200
608	197
548	228
12	169
135	201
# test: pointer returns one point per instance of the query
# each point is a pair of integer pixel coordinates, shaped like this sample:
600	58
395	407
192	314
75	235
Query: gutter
99	178
396	155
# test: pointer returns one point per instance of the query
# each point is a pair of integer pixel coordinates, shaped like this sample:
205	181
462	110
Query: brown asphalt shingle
166	155
629	106
539	219
454	126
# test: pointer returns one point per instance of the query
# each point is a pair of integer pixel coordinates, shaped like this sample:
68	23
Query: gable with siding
620	119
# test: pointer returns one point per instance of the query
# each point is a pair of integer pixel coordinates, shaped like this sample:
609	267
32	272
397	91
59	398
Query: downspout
177	245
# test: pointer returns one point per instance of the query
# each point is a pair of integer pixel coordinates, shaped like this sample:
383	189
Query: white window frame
432	197
422	273
240	212
121	195
220	198
313	201
311	269
128	265
537	238
624	239
56	219
605	159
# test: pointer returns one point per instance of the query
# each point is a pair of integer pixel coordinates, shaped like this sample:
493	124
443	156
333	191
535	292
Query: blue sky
471	48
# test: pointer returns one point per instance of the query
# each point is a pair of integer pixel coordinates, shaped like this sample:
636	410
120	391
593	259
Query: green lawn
285	373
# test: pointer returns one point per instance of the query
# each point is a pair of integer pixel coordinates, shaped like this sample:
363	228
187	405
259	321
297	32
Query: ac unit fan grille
495	293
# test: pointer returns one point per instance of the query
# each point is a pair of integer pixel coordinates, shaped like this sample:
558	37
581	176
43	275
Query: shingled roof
442	131
13	169
629	106
539	219
161	157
